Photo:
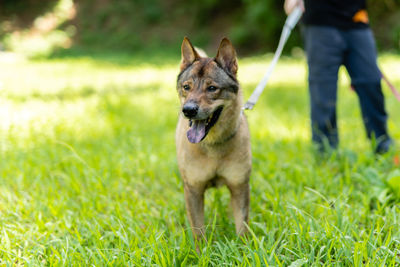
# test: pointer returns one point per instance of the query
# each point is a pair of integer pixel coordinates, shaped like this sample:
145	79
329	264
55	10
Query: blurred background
47	27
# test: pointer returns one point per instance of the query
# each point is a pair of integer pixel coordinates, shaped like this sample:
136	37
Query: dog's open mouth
199	128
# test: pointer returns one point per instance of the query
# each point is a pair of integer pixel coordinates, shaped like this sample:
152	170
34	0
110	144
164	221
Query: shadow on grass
70	94
157	57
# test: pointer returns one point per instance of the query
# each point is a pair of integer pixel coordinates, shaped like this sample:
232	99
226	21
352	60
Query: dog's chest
214	171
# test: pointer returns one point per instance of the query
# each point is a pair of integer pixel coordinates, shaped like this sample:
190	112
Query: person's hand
291	4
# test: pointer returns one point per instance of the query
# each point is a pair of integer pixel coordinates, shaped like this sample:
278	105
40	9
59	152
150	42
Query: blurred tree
253	25
16	14
385	21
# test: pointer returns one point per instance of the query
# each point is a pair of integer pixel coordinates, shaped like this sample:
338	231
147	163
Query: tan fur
223	157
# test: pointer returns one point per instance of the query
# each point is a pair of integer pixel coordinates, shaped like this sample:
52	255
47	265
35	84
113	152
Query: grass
89	175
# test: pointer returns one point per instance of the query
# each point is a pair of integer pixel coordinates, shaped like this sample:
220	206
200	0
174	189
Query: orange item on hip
361	16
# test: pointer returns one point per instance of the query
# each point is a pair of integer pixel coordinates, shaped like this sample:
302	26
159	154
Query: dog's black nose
190	109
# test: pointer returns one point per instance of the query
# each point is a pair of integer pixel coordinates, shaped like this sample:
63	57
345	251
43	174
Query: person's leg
324	49
360	61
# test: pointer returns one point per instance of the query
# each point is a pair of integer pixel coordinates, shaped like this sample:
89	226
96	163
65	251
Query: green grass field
88	173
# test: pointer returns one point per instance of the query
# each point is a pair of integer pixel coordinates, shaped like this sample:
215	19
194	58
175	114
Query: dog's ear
189	54
226	56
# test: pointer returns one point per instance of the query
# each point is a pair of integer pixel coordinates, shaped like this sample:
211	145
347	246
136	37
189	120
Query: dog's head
206	86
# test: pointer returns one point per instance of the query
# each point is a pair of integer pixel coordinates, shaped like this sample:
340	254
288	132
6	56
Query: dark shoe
384	146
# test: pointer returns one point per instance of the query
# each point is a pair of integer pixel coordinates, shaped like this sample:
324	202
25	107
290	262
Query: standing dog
212	135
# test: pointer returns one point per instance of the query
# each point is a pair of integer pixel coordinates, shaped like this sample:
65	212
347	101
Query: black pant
327	49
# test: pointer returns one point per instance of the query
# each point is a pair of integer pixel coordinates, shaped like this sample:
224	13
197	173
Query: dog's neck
224	141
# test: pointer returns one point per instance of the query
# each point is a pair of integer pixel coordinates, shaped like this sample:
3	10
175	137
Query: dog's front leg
194	197
240	200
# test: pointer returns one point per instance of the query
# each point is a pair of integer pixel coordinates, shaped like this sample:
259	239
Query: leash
391	86
384	78
290	23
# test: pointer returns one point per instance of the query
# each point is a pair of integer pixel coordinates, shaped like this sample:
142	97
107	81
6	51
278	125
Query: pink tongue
197	132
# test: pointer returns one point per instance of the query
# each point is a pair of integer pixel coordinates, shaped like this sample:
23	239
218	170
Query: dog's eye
186	87
212	88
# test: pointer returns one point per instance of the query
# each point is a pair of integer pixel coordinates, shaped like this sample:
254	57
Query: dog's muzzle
199	128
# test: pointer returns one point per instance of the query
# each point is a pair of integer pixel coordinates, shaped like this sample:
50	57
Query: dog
212	134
